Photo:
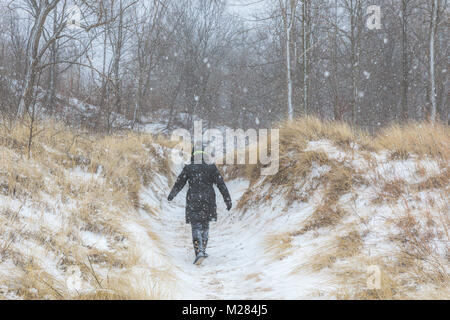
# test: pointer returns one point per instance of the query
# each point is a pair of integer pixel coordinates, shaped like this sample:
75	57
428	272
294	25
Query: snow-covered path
239	265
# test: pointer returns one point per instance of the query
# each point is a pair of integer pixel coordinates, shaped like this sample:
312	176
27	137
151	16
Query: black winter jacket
201	197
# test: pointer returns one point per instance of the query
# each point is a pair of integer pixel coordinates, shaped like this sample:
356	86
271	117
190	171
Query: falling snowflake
326	74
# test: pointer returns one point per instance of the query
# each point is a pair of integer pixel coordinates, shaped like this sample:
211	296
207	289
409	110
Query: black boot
197	239
204	242
199	258
205	233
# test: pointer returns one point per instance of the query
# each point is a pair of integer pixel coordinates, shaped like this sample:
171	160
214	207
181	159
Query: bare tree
148	45
306	46
40	11
405	66
53	68
354	9
288	12
433	27
117	45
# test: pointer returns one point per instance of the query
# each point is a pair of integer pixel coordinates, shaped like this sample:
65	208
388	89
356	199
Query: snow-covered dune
86	217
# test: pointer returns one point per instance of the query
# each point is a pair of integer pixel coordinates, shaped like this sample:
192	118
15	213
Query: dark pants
200	232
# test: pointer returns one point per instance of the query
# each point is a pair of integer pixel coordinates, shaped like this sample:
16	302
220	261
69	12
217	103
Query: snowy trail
238	266
218	276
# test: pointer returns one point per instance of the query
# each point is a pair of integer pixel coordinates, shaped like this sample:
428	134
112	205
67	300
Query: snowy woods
234	63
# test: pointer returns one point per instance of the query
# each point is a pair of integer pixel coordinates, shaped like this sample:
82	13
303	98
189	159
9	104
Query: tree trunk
53	68
288	74
434	17
354	11
405	83
305	22
337	115
288	16
117	57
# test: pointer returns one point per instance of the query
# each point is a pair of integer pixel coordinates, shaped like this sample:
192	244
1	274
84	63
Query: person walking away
201	205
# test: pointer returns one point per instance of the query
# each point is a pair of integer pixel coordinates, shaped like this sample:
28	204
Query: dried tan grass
278	245
122	164
422	139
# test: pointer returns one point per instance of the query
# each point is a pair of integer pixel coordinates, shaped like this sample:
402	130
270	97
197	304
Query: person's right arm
179	184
